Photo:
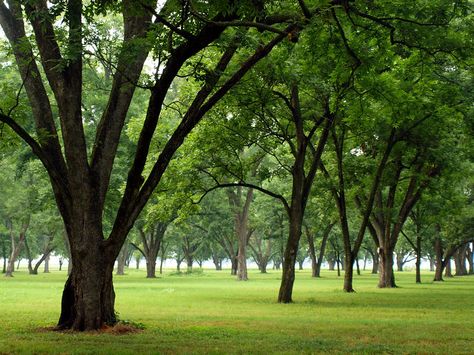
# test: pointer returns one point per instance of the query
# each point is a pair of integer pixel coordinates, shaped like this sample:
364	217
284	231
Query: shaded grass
210	312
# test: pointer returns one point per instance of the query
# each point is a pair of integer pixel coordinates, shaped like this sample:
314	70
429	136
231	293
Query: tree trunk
331	264
277	264
46	263
469	256
348	273
418	259
242	261
447	268
440	263
432	264
291	250
460	261
88	296
300	264
15	252
400	258
161	265
386	276
151	269
60	264
121	260
233	268
189	263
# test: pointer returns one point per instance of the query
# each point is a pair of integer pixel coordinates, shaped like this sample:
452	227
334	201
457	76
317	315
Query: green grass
210	312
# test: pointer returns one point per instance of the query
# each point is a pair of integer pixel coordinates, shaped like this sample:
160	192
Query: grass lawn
210	312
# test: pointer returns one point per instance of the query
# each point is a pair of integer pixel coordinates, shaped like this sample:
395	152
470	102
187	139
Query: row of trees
354	117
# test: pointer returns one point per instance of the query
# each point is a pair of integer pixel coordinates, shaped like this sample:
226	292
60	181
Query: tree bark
418	259
121	260
447	269
46	263
440	263
16	247
386	279
289	258
88	296
460	261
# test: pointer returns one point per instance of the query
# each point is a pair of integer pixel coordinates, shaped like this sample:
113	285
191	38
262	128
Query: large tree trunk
460	261
88	296
150	269
386	276
348	273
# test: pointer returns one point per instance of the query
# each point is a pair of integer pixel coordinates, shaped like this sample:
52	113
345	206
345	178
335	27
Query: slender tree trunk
242	274
338	264
121	260
312	253
432	264
233	268
469	256
29	258
300	264
46	263
15	252
161	265
357	265
418	259
440	263
447	269
400	262
291	250
60	264
331	264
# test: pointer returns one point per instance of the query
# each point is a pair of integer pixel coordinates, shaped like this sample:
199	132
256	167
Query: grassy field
210	312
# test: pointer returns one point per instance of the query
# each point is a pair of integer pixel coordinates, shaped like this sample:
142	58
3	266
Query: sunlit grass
213	313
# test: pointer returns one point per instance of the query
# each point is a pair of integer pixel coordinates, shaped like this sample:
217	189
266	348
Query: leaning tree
54	42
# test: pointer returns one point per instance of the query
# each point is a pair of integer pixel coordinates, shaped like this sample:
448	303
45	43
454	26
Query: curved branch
252	186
